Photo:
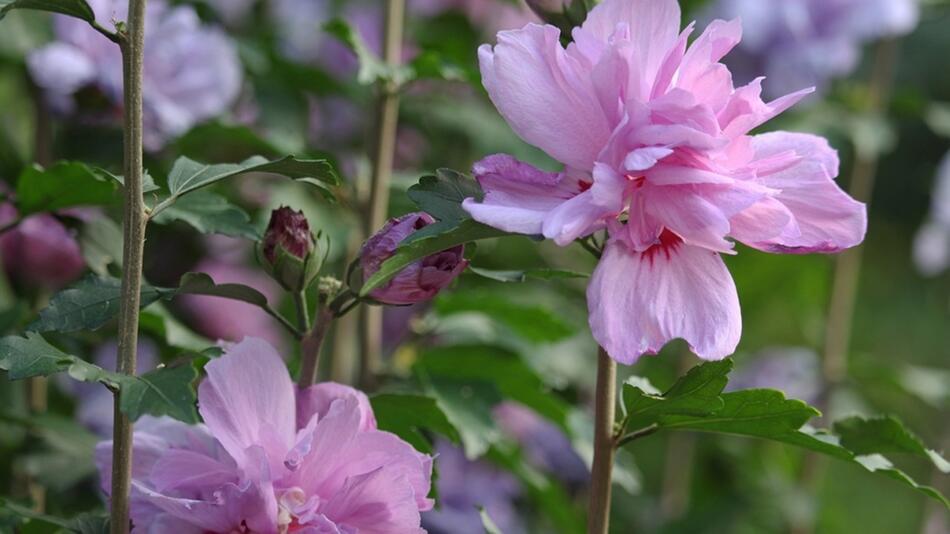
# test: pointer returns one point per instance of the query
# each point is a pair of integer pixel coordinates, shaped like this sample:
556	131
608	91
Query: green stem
371	326
601	476
312	343
303	314
132	47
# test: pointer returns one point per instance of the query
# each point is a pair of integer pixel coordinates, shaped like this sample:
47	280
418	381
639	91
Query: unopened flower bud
419	281
289	251
565	14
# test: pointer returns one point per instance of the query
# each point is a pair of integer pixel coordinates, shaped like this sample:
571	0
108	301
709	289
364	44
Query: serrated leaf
524	275
696	393
510	374
210	213
89	304
74	8
406	254
31	356
203	284
63	185
533	323
441	196
101	243
408	416
164	391
188	175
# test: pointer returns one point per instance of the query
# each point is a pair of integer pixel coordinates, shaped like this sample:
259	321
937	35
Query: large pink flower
270	459
655	142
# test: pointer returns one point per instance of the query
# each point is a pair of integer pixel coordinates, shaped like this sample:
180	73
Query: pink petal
825	218
715	42
248	400
316	400
231	509
518	196
544	93
746	110
378	502
640	301
644	158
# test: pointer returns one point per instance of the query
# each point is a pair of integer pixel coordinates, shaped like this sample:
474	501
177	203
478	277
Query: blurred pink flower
252	467
39	251
230	320
654	139
192	71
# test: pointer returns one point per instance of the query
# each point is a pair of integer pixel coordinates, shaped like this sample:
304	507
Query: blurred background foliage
527	341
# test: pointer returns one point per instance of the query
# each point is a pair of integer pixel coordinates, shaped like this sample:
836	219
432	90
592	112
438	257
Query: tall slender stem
371	326
312	343
601	476
133	245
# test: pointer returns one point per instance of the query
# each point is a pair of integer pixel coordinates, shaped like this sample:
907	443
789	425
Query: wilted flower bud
565	14
289	250
419	281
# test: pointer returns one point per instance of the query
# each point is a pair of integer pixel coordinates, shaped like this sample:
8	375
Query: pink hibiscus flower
655	142
271	459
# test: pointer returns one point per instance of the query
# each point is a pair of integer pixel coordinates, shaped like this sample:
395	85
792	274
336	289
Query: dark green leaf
408	416
64	185
148	183
513	378
101	243
521	276
534	323
468	230
696	393
89	304
468	405
31	356
882	435
210	213
188	175
441	196
74	8
164	391
430	65
202	284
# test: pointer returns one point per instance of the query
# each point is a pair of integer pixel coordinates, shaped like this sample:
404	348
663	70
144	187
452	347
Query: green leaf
203	284
210	213
74	8
487	523
164	391
31	356
408	416
441	196
86	523
148	183
881	435
188	175
163	325
64	185
101	243
67	456
510	374
406	254
696	393
372	68
763	413
533	323
89	304
468	405
522	276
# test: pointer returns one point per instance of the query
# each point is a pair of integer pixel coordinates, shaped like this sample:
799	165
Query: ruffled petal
640	301
824	218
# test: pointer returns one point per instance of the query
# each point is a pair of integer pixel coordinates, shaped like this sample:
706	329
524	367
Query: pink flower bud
418	282
289	250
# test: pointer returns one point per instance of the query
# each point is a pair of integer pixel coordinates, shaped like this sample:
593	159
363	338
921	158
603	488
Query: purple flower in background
463	487
932	244
39	251
801	43
192	72
794	370
418	282
251	467
654	139
232	12
94	403
229	320
545	445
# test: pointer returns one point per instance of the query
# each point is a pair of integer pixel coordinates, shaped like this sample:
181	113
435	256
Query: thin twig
298	334
637	434
132	48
